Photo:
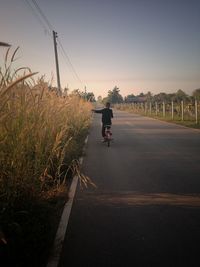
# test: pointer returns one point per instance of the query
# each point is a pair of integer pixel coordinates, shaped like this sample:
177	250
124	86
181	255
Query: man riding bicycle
107	115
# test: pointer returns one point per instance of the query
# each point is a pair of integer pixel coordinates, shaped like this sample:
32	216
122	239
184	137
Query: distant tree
171	97
196	94
161	97
114	96
99	99
141	95
90	96
130	98
180	95
149	96
105	100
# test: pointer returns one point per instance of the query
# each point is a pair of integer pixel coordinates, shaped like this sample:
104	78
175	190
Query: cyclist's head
108	104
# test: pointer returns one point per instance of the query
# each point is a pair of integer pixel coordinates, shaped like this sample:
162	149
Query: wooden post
172	109
182	111
150	108
196	111
56	59
163	109
156	109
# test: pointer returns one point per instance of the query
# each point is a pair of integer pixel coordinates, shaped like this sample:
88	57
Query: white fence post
156	109
145	107
172	109
150	108
196	111
182	110
163	109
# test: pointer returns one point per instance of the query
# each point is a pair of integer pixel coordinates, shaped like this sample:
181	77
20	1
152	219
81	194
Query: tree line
115	97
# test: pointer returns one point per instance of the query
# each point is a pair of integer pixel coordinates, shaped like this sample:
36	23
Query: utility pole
55	35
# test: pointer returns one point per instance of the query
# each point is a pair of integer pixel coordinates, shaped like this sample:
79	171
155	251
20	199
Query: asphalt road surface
145	210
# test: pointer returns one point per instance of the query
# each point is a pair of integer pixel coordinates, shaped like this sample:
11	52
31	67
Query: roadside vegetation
175	107
41	138
183	114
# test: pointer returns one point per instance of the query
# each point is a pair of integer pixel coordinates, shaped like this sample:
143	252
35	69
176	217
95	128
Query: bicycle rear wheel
108	142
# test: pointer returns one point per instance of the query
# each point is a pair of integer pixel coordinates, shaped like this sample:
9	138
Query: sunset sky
137	45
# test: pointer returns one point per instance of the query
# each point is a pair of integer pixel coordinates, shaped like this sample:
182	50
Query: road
145	210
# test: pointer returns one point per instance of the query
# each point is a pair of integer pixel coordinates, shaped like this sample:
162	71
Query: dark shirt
107	114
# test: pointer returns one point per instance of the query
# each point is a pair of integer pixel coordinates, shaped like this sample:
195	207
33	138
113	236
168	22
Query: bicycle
108	135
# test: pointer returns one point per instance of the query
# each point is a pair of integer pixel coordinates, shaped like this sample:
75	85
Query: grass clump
41	135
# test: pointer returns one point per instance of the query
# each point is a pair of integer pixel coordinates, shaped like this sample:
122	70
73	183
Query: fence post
163	109
172	110
196	111
182	111
156	109
150	108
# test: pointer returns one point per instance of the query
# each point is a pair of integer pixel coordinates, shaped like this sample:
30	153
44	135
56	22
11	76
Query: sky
136	45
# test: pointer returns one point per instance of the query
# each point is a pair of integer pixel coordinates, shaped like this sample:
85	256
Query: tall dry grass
41	136
40	132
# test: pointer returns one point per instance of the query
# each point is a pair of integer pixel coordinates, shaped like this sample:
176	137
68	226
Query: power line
59	41
33	11
40	14
69	61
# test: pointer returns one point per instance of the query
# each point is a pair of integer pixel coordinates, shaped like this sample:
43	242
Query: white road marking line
60	235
